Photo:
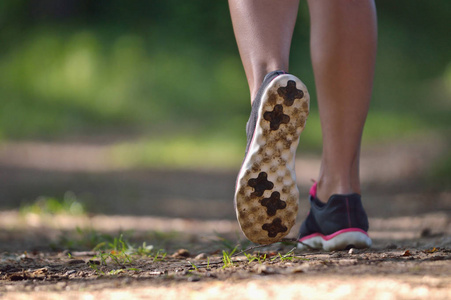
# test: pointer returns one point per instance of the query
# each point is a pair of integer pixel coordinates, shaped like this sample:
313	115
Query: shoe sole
266	197
340	240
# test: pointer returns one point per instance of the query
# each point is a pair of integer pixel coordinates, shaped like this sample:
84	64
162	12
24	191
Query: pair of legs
343	50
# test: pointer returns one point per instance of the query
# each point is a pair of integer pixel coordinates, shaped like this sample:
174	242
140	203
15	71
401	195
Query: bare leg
263	30
343	47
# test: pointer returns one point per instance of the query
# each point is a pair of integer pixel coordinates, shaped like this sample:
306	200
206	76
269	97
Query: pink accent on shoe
331	236
313	190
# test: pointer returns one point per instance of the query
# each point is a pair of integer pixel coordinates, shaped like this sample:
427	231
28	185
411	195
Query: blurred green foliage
69	205
84	66
170	69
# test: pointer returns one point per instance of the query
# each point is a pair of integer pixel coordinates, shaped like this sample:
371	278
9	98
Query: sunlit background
93	87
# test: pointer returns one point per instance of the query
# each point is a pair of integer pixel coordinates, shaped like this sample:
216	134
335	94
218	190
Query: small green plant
159	256
250	257
103	257
112	249
134	269
96	269
114	245
116	272
227	258
118	250
120	258
289	256
144	250
261	258
84	239
194	266
119	245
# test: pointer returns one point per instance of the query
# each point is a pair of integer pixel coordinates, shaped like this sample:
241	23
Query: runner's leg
263	30
343	49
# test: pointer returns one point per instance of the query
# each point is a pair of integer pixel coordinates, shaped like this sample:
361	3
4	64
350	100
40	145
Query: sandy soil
410	226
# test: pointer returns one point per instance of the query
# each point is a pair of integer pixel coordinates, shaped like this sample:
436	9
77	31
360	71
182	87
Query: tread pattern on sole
273	203
290	93
266	196
260	184
274	227
276	117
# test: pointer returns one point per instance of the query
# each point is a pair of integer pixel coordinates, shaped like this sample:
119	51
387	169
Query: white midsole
342	241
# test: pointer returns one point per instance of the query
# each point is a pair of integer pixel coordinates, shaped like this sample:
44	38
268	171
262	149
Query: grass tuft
227	258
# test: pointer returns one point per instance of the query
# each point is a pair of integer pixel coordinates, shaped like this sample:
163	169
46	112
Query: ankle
326	188
259	73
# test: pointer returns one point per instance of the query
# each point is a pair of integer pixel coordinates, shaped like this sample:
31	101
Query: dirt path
369	274
410	259
46	257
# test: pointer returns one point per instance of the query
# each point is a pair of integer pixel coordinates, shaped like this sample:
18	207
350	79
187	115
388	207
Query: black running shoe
266	195
339	224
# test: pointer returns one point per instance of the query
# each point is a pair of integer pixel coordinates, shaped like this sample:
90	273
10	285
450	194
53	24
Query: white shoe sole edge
354	239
